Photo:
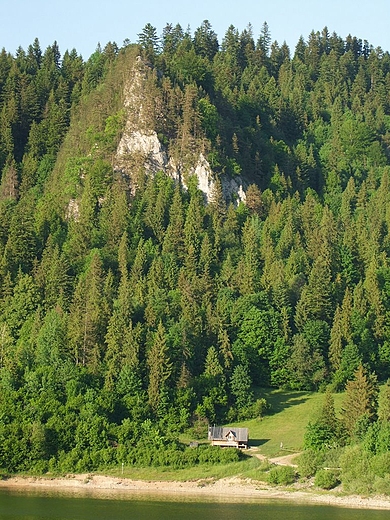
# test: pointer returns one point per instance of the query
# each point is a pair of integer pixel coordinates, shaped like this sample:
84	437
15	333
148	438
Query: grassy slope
286	421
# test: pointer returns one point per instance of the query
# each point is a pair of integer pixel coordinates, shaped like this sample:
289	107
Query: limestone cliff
141	147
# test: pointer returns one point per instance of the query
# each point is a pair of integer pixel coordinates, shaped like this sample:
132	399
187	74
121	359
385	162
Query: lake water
40	506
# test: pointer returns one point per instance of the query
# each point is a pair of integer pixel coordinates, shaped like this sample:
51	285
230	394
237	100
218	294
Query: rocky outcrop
140	146
232	188
145	145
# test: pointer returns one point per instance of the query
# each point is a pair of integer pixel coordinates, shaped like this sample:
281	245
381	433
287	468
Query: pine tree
23	304
6	346
149	41
160	367
249	266
360	400
336	341
241	386
21	247
174	236
384	403
87	320
206	41
326	431
253	199
9	181
316	298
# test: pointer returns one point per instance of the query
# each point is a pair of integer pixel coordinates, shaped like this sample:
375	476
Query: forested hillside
131	309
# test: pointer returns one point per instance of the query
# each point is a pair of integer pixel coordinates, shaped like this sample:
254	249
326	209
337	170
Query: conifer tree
174	236
206	41
336	340
316	297
87	322
241	385
326	431
149	40
248	267
160	367
360	400
384	403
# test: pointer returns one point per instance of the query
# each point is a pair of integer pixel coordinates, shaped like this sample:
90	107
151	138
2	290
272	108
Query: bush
217	455
282	475
177	456
39	467
332	457
265	465
310	462
260	407
356	472
381	464
382	485
326	479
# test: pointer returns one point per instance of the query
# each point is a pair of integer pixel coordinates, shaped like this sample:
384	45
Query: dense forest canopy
129	315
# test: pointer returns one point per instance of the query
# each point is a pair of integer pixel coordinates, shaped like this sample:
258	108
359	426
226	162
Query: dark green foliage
206	41
359	407
130	309
241	384
326	479
149	40
327	431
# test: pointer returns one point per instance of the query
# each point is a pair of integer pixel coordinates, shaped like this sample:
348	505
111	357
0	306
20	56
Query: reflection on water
38	505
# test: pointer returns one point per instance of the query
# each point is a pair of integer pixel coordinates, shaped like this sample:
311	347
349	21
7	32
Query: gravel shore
229	489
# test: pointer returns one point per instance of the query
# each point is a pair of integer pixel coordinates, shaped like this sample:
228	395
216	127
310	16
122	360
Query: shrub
326	479
229	455
282	475
310	462
382	485
215	455
177	456
260	407
190	457
356	472
39	467
332	457
381	464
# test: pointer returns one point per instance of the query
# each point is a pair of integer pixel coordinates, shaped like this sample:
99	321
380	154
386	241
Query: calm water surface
38	506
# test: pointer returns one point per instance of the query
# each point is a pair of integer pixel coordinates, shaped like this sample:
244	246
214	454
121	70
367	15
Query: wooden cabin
228	437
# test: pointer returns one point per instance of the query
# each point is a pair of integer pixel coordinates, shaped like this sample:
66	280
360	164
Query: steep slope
141	146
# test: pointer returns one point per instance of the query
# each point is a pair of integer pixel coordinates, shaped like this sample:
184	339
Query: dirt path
284	460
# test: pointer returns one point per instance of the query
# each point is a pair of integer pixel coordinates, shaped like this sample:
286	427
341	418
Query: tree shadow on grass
255	443
278	401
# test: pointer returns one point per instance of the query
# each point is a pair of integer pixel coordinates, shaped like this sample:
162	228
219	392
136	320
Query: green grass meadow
285	422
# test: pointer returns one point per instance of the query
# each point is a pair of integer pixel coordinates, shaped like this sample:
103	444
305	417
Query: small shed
228	437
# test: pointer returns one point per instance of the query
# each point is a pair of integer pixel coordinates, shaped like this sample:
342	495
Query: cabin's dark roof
220	433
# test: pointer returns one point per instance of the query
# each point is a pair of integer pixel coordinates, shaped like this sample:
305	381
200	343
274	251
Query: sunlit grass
246	468
285	421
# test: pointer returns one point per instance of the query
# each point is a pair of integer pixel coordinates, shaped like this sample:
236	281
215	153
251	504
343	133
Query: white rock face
73	210
145	145
205	177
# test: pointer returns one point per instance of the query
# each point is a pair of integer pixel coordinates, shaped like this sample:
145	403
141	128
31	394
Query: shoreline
227	489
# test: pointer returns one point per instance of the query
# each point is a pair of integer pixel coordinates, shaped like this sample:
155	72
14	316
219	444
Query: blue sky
81	24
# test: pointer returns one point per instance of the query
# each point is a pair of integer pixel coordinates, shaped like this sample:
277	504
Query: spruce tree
360	401
159	367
